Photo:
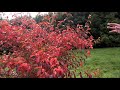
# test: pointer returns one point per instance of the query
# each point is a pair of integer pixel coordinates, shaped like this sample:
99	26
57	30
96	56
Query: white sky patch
10	15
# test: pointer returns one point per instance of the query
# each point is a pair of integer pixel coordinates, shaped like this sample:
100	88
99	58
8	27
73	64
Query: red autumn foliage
40	50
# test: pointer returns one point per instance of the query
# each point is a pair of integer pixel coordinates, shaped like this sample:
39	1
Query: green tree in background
38	18
77	17
99	28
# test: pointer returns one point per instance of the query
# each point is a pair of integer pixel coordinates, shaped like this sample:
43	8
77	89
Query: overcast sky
10	14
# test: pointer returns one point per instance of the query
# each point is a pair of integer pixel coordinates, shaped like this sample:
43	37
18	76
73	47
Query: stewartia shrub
41	50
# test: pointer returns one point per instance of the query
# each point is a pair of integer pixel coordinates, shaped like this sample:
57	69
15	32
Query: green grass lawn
107	60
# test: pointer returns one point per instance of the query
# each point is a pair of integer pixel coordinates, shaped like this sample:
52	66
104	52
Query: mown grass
106	60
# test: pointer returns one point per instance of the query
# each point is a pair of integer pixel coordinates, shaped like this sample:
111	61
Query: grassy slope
107	60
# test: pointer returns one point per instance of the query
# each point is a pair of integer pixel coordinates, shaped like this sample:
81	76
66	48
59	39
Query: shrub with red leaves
42	50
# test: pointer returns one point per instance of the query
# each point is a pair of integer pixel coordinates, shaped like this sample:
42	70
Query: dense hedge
39	50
